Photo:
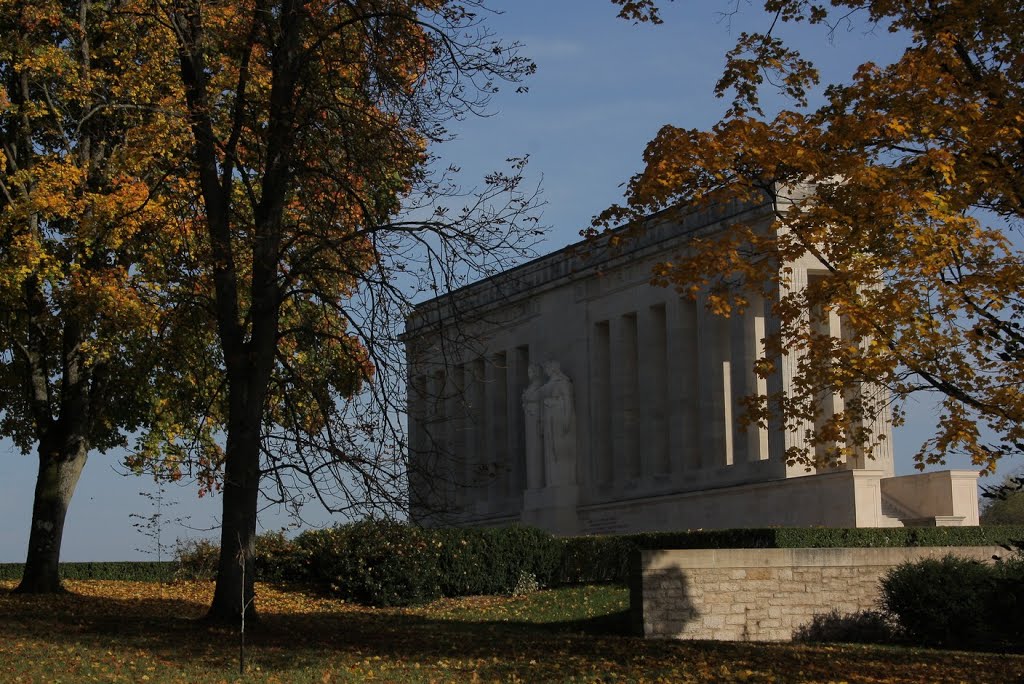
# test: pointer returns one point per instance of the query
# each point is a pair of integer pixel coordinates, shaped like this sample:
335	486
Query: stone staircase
893	513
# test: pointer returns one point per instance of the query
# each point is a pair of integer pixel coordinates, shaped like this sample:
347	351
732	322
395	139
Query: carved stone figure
559	427
532	411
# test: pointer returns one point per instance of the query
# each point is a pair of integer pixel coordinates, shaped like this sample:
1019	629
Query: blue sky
603	88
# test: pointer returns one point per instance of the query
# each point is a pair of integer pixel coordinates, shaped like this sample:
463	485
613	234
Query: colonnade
467	424
666	382
659	398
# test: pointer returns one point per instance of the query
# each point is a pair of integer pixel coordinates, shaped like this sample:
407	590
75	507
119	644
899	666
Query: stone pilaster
601	465
518	360
498	462
652	397
456	412
625	455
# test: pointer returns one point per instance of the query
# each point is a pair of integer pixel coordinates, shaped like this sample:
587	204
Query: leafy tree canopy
311	126
916	177
1004	503
88	230
85	237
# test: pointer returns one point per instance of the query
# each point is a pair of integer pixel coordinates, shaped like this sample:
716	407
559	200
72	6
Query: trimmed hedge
127	571
382	562
606	558
388	563
492	560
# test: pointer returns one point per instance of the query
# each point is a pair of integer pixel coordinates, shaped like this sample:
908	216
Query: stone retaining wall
760	594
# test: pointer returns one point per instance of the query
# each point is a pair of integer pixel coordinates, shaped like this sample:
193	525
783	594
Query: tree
915	172
639	11
311	123
84	237
1004	503
151	525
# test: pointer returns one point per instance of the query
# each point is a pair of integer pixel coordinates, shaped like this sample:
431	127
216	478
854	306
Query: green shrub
587	560
312	549
461	565
375	562
510	552
942	602
1003	504
277	559
862	627
491	560
958	602
196	558
1007	614
381	562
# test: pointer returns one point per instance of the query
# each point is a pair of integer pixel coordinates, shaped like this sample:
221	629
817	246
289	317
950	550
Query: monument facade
571	394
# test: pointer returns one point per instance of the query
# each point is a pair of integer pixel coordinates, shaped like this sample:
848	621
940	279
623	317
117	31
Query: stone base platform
845	498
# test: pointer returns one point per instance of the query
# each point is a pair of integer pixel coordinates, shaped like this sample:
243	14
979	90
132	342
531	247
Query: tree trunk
236	569
59	470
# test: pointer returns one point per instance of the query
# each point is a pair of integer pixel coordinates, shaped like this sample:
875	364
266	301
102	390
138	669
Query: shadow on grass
172	630
612	624
168	630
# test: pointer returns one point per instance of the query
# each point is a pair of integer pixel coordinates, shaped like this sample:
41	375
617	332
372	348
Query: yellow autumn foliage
916	170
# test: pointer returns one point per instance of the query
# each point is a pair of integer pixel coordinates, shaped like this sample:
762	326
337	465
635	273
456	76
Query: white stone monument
571	394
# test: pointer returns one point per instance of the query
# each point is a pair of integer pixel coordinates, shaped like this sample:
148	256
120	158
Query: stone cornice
577	261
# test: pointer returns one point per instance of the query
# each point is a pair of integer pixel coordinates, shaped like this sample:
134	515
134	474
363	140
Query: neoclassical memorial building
571	394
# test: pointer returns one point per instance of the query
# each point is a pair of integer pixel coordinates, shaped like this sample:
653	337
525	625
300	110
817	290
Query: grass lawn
146	632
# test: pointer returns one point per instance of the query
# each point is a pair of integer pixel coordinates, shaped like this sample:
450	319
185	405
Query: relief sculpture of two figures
550	418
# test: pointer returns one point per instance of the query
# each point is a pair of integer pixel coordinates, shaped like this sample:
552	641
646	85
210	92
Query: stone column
830	404
532	403
713	373
737	386
881	424
774	385
675	380
416	414
747	331
754	323
798	281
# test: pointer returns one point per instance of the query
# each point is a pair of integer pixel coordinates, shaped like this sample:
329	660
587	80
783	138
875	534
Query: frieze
581	260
